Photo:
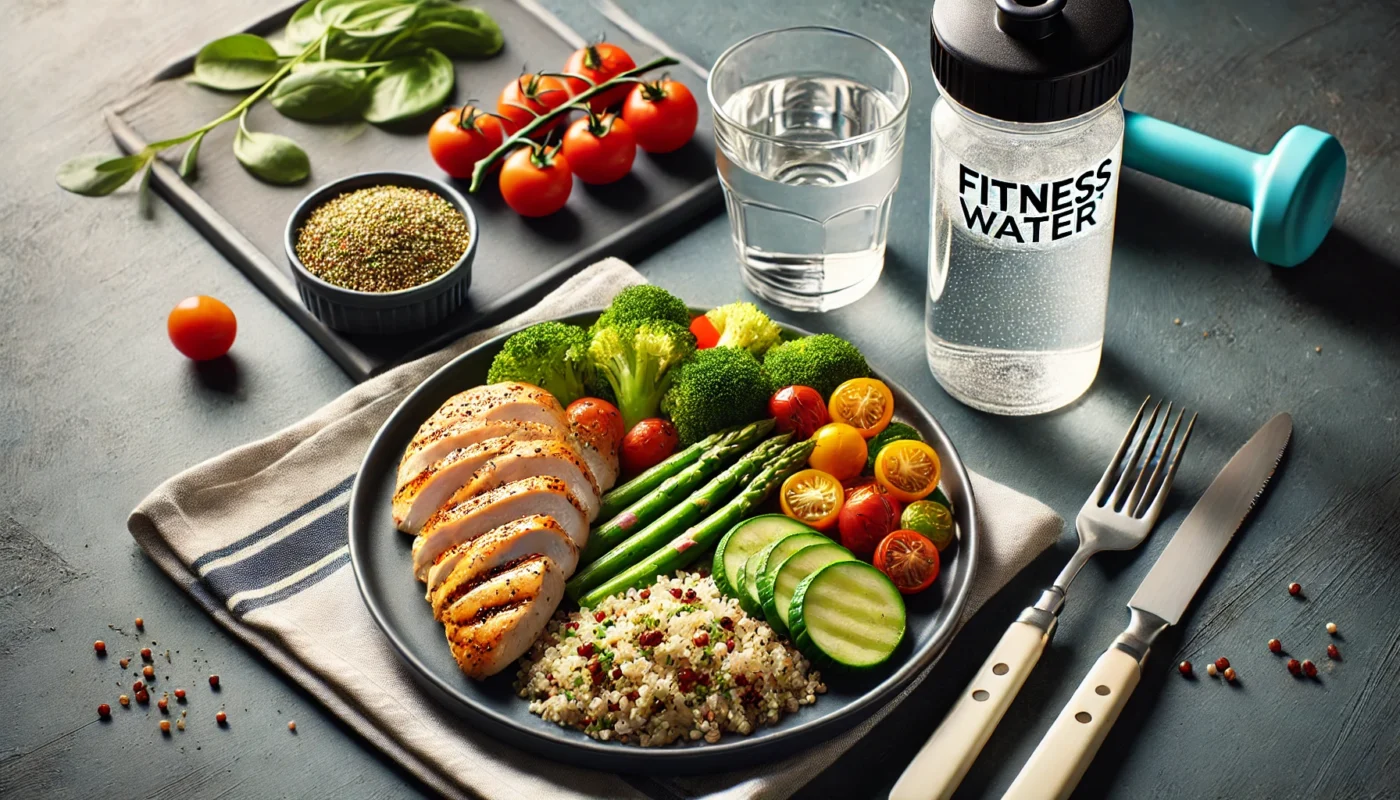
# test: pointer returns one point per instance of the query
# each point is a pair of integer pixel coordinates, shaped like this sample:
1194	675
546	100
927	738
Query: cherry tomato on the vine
201	327
706	336
463	136
600	150
536	182
650	442
663	114
598	63
796	408
596	419
527	97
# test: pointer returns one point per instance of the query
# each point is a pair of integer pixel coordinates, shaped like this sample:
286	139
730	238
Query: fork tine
1152	464
1159	499
1131	467
1101	490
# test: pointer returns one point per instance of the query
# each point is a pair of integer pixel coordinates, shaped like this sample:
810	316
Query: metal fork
1118	515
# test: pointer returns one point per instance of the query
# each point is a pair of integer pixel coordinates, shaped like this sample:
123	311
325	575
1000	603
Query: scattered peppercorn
701	639
1332	628
221	718
1211	670
138	686
143	697
1309	668
124	662
214	681
163	703
180	694
145	654
1333	653
104	711
1184	667
125	701
100	646
140	623
1230	674
1275	646
1294	667
1222	663
165	727
292	725
1295	589
149	671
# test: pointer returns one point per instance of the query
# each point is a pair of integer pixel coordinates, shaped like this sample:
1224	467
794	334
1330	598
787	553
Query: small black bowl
404	311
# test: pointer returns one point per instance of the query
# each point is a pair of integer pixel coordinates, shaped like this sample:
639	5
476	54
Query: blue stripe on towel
281	594
305	547
279	524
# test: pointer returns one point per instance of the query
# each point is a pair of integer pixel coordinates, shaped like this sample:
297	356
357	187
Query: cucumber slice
776	592
847	613
770	557
742	541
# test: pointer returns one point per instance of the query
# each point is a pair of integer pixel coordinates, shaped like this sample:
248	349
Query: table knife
1057	764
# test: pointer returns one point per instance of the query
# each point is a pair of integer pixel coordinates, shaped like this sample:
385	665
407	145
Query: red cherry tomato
596	419
462	137
798	408
201	327
598	63
663	114
529	96
909	559
650	442
536	183
600	151
706	335
866	518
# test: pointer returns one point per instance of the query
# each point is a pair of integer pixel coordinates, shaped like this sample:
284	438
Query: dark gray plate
380	556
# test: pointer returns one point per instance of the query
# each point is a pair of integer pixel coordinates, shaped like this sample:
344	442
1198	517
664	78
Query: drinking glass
809	124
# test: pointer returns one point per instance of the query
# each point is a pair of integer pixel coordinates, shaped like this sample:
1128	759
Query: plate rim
729	753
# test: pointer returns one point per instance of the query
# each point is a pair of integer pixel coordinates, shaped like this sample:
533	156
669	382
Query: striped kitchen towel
257	536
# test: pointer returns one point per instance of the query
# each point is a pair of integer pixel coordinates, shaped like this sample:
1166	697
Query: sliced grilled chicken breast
517	401
602	463
495	622
466	566
464	521
466	433
430	489
527	459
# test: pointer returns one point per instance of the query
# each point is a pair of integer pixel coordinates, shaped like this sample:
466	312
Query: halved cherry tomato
909	559
908	469
705	334
600	149
598	63
201	327
527	97
462	137
596	419
813	497
536	181
663	114
867	517
865	404
797	408
840	451
650	442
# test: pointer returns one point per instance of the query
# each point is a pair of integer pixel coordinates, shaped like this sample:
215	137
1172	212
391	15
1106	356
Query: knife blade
1192	552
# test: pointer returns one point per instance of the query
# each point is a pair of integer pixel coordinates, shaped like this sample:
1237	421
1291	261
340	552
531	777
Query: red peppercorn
138	686
1222	663
124	662
142	697
179	694
646	594
1275	646
585	650
599	616
214	681
124	700
292	725
1230	674
104	711
1295	589
149	672
676	593
1309	668
1333	653
140	623
726	623
165	726
701	639
100	646
163	703
145	654
221	718
1294	667
1184	667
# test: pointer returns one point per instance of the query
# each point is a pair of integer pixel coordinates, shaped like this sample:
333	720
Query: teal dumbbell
1293	189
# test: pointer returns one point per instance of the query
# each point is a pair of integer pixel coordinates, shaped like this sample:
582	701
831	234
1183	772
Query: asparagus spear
642	512
689	546
683	514
620	497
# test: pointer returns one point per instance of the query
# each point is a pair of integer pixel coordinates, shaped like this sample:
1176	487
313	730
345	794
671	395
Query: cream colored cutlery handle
1062	756
948	754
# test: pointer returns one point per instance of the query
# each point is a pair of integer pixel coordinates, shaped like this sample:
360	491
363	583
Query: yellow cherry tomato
863	403
840	451
908	469
813	497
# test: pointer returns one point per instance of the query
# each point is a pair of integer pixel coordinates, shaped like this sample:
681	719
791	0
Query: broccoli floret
823	362
716	389
743	325
550	355
636	362
637	304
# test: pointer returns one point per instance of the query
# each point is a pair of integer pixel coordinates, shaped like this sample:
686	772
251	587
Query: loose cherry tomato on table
868	516
600	149
662	113
865	404
650	442
536	181
840	451
598	63
796	408
201	327
813	497
527	97
908	469
596	419
462	137
706	336
909	559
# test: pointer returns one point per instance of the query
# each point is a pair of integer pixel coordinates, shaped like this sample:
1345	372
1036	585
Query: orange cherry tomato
813	497
840	451
527	97
865	404
909	559
596	419
598	63
868	516
705	334
799	409
600	151
663	114
536	182
908	469
462	137
201	327
650	442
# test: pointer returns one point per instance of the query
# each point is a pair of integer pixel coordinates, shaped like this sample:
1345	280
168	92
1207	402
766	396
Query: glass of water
809	124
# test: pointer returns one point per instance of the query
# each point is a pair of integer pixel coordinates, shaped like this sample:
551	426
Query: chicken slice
515	401
527	459
466	433
601	462
492	625
464	521
466	566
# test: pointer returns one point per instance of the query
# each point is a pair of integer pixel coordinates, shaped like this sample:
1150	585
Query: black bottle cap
1029	61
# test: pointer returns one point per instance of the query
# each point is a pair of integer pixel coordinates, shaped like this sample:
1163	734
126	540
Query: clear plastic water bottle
1027	147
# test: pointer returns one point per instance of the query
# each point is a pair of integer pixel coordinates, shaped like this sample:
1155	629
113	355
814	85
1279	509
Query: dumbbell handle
1191	159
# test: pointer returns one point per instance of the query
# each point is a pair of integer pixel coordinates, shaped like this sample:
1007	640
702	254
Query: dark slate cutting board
519	259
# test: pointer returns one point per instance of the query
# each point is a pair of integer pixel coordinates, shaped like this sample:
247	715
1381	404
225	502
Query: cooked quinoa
676	661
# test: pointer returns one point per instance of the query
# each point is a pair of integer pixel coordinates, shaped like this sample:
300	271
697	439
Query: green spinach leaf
459	32
96	174
189	166
270	156
236	63
319	95
408	87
